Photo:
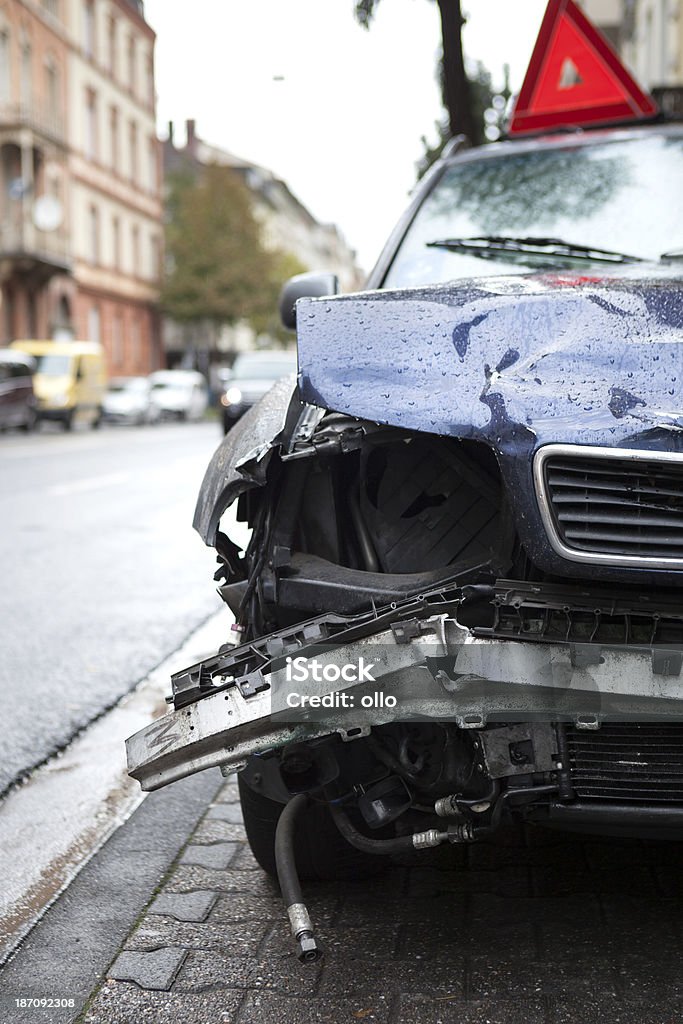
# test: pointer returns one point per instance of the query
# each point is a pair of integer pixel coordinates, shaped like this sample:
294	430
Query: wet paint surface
514	362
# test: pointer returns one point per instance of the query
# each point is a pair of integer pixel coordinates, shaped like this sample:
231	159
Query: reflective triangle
575	78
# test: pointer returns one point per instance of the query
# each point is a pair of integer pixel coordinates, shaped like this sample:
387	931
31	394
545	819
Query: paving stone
215	831
121	1003
262	1007
191	906
203	970
226	812
374	944
245	861
647	976
215	855
419	1009
512	880
604	1010
240	939
346	974
154	970
244	906
229	794
193	876
490	977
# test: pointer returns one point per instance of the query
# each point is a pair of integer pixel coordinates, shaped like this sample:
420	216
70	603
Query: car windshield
52	365
255	368
620	196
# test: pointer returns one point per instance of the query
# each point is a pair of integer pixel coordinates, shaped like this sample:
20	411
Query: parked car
462	601
252	374
69	380
179	394
17	400
130	400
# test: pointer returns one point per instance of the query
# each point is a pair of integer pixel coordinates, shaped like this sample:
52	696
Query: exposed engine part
519	749
300	921
464	833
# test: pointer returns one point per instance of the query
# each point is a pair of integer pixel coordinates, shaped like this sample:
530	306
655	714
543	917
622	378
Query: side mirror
313	285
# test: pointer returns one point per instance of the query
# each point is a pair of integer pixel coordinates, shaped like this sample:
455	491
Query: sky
335	110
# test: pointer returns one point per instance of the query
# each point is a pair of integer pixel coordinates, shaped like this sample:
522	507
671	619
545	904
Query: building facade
648	35
286	226
81	249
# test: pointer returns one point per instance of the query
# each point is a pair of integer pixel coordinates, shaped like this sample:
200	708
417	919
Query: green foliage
283	266
218	270
481	97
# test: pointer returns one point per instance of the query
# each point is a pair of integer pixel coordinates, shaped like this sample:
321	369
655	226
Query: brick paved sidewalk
536	927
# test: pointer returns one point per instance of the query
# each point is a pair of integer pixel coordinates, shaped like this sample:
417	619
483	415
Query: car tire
321	852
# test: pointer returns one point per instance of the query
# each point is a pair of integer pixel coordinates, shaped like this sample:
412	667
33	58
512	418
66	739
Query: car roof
560	140
9	355
44	346
173	376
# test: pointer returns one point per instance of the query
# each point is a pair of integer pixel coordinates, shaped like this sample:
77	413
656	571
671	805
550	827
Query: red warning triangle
575	78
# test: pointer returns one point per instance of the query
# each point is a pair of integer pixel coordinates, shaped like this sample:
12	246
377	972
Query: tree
218	270
482	96
456	86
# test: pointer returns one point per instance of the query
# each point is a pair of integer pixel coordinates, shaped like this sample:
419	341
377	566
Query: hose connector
302	930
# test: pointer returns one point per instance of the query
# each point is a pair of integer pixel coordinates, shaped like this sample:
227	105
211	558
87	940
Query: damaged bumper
425	667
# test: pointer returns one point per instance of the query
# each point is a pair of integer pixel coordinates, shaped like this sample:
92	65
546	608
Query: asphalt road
102	573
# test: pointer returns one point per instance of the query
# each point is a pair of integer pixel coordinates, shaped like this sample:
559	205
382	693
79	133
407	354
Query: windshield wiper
487	245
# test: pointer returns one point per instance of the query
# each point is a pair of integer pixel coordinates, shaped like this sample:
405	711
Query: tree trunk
456	84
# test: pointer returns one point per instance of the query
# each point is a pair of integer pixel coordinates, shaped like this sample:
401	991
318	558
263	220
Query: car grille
628	762
609	506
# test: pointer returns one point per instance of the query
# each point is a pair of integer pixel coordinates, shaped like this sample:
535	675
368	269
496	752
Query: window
155	257
132	76
117	340
133	151
136	340
114	138
26	81
152	164
52	89
89	28
90	125
113	47
150	82
94	324
94	234
116	242
4	66
135	245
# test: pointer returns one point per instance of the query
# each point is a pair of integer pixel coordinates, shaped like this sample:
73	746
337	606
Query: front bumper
434	668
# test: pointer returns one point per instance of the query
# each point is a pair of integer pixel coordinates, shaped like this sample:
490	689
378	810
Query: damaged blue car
475	485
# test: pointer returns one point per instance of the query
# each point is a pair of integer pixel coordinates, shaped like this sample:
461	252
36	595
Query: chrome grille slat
622	507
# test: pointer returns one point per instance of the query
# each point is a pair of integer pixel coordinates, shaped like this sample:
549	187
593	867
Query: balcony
37	117
27	251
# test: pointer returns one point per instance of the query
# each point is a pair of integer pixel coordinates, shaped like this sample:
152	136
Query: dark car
17	400
251	375
463	596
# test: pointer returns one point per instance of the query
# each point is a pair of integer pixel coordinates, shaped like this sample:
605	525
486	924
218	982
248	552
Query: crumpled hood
554	357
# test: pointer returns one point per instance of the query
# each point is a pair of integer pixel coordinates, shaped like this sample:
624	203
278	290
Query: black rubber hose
288	877
361	842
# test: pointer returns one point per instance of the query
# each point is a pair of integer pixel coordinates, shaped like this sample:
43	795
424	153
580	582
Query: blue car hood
554	357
